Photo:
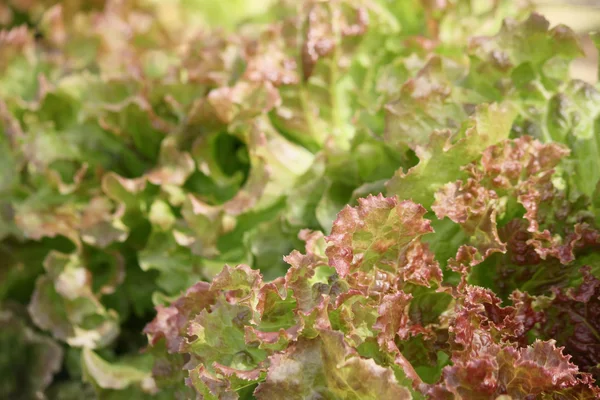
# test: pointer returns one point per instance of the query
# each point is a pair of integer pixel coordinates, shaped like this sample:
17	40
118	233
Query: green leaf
29	359
328	368
107	375
63	303
440	160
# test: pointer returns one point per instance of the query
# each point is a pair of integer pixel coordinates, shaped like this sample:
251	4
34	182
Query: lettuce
158	160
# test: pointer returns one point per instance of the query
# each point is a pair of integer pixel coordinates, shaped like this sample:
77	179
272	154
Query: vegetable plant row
296	199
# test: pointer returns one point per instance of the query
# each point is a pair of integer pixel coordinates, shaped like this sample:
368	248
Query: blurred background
583	16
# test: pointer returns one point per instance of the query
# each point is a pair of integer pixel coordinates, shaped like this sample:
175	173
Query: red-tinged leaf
520	168
376	232
466	258
315	243
393	320
209	387
245	375
535	262
524	168
521	373
525	317
473	379
170	322
322	37
243	101
273	340
509	164
582	236
268	59
579	392
419	266
538	368
573	319
307	295
474	208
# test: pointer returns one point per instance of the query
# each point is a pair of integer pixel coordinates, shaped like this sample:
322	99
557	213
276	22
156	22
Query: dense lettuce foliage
163	162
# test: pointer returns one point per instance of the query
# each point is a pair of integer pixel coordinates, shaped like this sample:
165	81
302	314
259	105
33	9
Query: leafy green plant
434	159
